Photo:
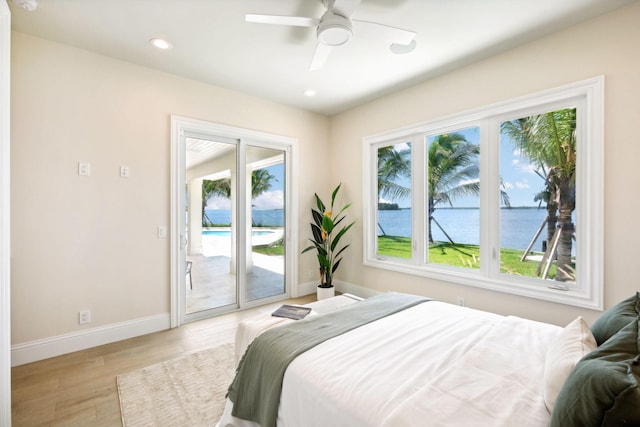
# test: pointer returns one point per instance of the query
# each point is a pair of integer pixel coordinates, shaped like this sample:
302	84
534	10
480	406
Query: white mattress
434	364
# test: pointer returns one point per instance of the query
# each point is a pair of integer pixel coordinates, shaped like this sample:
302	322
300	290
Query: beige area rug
187	391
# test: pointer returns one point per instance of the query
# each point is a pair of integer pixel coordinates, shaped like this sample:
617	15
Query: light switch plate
84	169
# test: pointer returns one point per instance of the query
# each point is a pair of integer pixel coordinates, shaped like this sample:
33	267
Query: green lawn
460	255
275	248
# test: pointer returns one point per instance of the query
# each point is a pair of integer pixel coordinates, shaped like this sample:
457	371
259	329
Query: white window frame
588	97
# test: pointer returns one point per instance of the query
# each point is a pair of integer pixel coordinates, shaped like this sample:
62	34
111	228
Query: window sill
573	297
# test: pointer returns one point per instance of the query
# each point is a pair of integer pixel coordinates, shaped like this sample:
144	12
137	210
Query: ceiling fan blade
296	21
385	33
345	7
320	56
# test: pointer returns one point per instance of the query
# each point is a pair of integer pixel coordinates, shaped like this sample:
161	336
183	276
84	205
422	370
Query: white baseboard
68	343
350	288
81	340
342	287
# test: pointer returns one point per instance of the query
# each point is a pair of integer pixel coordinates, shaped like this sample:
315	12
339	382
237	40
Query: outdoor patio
215	286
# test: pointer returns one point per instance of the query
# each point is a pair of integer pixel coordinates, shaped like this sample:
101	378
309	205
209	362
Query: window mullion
418	188
489	198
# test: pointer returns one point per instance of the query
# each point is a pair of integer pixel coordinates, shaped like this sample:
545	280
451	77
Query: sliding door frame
181	126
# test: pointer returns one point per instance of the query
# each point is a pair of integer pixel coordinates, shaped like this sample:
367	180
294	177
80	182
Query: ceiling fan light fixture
334	29
334	35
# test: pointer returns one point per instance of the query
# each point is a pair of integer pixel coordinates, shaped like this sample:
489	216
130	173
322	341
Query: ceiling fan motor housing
334	29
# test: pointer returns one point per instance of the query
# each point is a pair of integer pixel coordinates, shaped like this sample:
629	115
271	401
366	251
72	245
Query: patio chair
188	272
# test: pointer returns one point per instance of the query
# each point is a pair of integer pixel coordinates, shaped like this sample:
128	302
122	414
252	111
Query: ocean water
265	218
517	226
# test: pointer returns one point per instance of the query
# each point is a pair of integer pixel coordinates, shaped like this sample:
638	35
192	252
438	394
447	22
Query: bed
438	364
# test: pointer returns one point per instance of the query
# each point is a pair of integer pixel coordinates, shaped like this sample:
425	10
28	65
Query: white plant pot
324	293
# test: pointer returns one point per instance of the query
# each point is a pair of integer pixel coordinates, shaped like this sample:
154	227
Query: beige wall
91	242
605	46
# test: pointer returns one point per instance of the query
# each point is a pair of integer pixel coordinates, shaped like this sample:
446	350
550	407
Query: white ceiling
212	42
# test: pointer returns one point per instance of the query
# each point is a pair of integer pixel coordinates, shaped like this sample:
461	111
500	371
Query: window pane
265	264
453	193
537	167
393	216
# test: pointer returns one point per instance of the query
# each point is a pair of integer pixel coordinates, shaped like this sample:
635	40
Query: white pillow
564	353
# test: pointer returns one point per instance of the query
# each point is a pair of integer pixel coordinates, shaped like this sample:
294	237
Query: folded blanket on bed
255	391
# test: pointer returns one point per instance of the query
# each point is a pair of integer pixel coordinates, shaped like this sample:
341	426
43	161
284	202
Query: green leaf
336	239
335	266
334	194
327	224
319	203
317	234
317	217
340	251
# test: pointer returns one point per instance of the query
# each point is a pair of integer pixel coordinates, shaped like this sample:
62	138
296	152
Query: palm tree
392	165
261	182
549	142
452	172
219	187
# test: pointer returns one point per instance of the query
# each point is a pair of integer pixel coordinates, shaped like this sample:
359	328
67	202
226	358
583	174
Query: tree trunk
431	211
565	269
552	219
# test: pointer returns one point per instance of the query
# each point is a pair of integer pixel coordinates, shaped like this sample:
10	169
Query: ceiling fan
336	27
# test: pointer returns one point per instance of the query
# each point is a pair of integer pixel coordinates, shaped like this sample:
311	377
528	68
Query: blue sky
521	183
272	199
519	178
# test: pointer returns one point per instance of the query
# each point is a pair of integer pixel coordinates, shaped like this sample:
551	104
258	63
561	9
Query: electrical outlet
461	301
124	171
310	274
84	317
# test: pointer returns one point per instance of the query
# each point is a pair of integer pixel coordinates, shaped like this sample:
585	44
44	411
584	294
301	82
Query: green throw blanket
255	391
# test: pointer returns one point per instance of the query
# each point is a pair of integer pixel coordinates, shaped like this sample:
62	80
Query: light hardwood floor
79	389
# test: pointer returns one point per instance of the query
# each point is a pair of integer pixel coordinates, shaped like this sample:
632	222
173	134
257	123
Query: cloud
269	200
523	167
523	184
218	203
507	185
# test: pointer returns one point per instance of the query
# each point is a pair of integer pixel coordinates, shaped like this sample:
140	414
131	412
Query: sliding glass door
232	204
210	223
265	194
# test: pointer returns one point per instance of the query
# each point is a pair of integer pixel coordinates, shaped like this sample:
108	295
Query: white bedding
434	364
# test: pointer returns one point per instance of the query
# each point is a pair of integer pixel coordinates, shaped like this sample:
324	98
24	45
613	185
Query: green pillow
616	318
604	388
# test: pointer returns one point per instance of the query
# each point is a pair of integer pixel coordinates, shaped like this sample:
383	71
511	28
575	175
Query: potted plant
326	238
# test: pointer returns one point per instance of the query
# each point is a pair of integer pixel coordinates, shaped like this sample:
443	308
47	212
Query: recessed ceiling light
160	43
310	92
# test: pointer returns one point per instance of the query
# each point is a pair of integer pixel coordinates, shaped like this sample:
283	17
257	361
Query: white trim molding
587	98
5	225
81	340
183	127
